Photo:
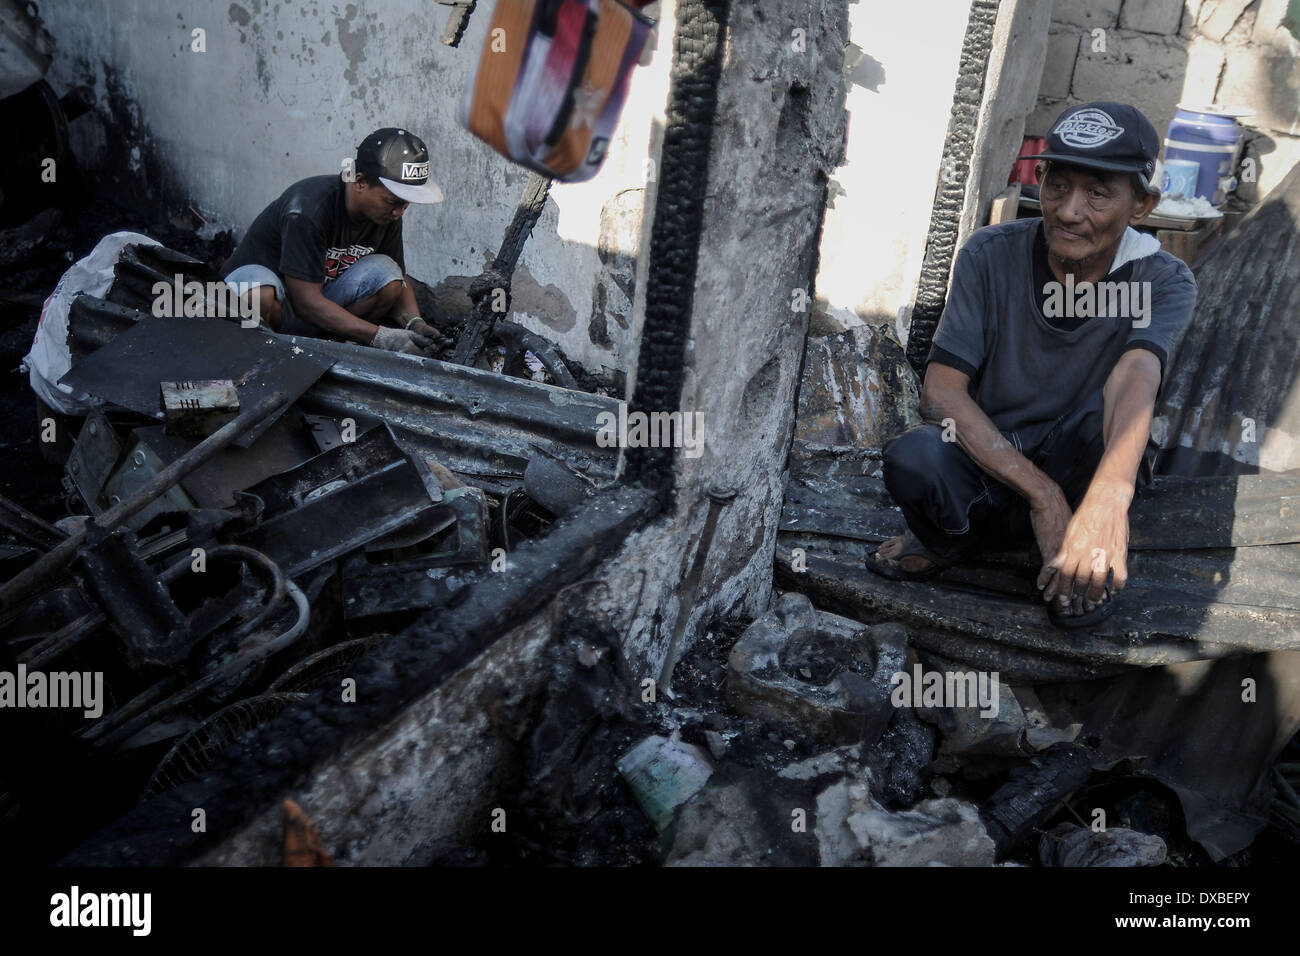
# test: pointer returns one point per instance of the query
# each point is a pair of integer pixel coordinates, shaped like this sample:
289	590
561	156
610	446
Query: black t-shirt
1025	370
307	234
1043	275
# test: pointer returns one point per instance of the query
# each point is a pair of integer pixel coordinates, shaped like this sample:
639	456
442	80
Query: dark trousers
955	509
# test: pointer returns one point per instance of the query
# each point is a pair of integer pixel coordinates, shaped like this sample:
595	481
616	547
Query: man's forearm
976	435
336	320
1129	404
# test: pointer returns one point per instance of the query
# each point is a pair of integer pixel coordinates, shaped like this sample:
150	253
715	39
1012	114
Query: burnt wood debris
361	601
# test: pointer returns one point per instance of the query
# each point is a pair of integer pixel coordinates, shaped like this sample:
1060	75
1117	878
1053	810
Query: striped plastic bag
551	82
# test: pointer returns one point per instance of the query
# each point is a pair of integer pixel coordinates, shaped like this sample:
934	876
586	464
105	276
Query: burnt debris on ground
224	527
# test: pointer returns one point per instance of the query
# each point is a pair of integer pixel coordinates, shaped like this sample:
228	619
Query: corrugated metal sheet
479	424
1229	403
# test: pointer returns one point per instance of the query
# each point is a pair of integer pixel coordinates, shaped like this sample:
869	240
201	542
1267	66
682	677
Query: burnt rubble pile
248	515
279	583
355	491
784	743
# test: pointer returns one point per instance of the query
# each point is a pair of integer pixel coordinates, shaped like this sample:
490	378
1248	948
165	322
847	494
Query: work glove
400	340
420	327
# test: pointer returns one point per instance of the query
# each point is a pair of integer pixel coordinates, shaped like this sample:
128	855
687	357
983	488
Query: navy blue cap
1110	136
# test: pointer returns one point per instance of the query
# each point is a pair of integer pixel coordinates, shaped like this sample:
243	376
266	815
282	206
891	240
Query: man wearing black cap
1043	375
327	255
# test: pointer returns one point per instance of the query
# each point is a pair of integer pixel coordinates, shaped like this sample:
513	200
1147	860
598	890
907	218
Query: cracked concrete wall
287	88
1156	54
901	67
777	139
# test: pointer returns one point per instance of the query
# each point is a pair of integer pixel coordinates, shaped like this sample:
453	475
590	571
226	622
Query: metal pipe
77	630
32	529
68	636
233	666
276	582
133	706
50	565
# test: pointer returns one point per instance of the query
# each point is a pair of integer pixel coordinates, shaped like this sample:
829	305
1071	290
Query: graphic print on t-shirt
338	260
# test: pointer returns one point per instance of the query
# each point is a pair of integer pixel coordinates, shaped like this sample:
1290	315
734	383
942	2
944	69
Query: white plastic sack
50	358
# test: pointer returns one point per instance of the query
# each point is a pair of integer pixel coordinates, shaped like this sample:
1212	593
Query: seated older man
1043	376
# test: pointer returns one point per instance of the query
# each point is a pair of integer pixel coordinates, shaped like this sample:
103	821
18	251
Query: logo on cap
1088	129
418	171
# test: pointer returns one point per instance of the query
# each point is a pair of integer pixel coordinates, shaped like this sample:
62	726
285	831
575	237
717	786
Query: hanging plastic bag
551	82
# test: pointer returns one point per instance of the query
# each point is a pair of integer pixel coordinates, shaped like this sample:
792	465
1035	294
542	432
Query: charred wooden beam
491	290
258	770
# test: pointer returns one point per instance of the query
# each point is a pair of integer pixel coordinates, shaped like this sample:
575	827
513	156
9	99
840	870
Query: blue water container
1210	140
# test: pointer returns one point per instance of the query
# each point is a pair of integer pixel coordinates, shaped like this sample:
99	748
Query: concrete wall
779	132
288	89
1159	53
1010	92
901	66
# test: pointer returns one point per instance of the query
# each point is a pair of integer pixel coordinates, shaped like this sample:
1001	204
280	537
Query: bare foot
887	554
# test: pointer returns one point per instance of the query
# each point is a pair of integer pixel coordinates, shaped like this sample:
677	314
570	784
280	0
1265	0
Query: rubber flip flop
911	546
1074	622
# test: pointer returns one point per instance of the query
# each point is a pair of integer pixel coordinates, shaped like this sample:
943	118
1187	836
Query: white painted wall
287	88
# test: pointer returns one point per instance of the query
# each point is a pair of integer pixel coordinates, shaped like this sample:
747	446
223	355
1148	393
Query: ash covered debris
205	484
179	580
376	605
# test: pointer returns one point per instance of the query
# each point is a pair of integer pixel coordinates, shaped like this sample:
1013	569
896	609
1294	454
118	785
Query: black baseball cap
400	161
1112	136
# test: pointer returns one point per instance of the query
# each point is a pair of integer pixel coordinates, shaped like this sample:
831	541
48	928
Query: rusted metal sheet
213	485
1193	602
1176	513
129	371
338	501
480	424
93	458
851	506
1228	404
990	617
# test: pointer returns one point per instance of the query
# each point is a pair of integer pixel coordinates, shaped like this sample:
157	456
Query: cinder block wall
1158	53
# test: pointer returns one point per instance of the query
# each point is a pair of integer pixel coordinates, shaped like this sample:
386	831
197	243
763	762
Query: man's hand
1096	539
416	324
400	340
1095	545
